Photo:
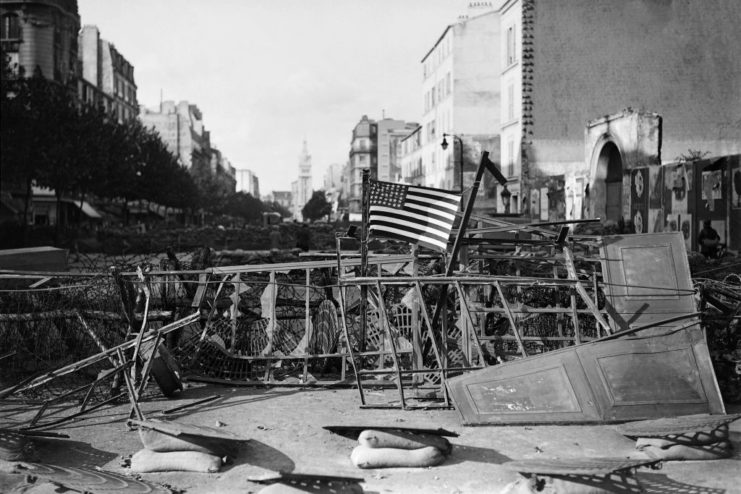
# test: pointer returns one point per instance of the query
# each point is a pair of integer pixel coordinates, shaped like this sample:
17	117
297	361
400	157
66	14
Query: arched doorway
613	181
607	182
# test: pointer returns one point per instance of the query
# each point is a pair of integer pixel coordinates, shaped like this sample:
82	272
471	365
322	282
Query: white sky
268	73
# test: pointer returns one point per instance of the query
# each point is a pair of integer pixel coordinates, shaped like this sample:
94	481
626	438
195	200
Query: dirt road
284	428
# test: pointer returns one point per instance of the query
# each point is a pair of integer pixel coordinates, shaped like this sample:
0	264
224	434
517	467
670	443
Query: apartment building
248	182
106	70
461	91
41	37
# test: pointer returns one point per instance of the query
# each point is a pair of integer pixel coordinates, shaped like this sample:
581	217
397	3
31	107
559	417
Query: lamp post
444	145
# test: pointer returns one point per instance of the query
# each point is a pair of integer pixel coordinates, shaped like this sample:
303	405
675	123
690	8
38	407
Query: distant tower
304	189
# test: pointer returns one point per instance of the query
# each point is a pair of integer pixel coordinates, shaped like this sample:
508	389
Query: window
10	27
447	83
510	157
511	54
511	102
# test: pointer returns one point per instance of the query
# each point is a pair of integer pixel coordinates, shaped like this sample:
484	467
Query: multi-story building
332	186
41	37
223	172
282	197
248	182
390	134
375	146
594	89
412	169
106	70
302	188
461	91
363	156
181	128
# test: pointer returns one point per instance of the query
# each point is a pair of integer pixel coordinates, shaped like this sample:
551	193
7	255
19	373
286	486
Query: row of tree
49	139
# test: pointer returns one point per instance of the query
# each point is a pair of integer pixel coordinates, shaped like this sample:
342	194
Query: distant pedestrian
303	237
274	238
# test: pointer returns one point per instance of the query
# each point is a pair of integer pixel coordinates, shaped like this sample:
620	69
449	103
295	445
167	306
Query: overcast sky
268	73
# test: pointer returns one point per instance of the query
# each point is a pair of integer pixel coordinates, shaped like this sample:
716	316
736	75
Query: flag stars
387	194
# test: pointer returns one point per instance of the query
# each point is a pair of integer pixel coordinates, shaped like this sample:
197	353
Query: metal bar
308	329
387	326
190	405
74	415
364	260
46	377
575	318
435	349
511	318
341	290
569	261
130	388
464	308
417	358
464	279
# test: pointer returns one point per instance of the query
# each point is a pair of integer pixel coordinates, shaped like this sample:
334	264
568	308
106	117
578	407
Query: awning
86	208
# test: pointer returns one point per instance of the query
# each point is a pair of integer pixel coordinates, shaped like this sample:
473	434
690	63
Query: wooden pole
450	268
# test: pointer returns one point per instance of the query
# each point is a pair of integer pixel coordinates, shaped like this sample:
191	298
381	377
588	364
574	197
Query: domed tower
304	187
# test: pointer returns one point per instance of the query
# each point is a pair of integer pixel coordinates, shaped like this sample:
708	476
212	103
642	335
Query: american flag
419	215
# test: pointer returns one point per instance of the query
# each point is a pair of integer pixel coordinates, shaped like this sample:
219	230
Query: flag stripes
419	215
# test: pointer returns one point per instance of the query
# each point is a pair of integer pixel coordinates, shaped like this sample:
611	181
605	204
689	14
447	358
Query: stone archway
606	195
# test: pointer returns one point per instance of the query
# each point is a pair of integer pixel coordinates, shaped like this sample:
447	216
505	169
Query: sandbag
662	449
145	461
162	442
400	439
365	457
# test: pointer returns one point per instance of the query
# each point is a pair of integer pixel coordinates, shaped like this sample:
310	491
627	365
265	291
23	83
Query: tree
317	208
243	205
277	207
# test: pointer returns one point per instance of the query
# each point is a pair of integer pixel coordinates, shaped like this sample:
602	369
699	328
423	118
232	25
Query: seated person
708	240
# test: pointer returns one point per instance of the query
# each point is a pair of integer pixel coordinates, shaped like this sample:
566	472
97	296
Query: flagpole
364	261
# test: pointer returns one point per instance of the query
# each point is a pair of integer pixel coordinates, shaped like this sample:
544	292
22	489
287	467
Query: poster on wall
711	188
677	182
544	203
639	199
681	222
655	174
654	221
736	186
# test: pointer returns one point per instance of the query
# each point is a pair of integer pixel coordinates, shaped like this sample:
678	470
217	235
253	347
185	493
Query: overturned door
661	371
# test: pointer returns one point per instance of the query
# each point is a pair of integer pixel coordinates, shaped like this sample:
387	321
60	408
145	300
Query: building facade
600	88
390	134
41	37
105	69
248	182
363	156
461	91
181	128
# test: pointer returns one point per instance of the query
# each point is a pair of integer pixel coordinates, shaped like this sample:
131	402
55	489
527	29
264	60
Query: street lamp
444	145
